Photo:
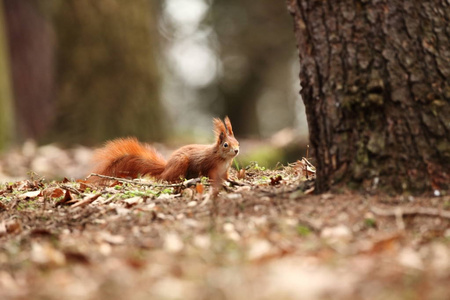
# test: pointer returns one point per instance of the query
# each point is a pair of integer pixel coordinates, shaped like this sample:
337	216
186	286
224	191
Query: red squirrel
128	158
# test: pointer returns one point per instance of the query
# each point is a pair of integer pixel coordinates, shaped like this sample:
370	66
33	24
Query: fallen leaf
30	195
200	188
53	192
275	180
65	200
14	226
132	201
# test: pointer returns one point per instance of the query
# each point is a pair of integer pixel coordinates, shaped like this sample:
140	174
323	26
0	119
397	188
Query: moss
362	156
376	143
443	148
375	99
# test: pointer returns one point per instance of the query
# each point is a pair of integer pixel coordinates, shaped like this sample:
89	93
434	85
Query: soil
266	236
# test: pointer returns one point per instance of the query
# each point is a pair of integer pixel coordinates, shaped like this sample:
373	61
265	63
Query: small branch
71	189
87	200
139	183
427	211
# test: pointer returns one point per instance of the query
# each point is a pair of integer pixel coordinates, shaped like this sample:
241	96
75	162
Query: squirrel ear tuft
219	130
228	126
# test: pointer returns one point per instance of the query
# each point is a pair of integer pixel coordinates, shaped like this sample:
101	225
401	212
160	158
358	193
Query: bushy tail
128	158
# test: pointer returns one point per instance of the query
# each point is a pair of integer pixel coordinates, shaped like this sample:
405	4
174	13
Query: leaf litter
265	236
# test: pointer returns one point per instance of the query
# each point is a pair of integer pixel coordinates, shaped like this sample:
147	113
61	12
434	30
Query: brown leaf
53	192
14	226
65	200
115	182
241	174
275	180
200	188
77	257
84	186
41	232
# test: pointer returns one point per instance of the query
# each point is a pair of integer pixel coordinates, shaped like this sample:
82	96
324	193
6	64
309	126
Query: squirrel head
228	146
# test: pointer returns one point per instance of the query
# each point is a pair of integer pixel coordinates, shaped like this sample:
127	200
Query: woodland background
82	72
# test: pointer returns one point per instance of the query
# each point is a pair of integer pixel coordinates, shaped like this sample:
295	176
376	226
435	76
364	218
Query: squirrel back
128	158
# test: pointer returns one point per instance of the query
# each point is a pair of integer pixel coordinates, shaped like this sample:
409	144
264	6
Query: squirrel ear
219	130
228	126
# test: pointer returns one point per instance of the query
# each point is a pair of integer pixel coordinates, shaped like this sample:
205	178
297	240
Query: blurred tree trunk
254	40
107	75
6	112
375	82
30	41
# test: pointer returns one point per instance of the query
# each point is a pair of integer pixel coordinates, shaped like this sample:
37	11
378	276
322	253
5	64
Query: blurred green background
85	71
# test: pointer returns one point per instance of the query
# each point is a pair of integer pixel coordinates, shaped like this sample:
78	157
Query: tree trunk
375	83
6	103
249	34
31	53
107	76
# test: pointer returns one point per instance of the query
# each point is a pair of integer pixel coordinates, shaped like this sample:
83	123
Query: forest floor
268	238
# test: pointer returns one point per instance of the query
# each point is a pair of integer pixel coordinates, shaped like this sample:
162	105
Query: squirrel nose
236	151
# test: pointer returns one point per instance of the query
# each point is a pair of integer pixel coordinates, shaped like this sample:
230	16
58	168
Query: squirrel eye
225	144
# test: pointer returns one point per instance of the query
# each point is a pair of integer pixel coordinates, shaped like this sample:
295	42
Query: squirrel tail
127	158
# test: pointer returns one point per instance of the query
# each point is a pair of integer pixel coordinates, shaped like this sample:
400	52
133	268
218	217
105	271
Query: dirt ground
268	238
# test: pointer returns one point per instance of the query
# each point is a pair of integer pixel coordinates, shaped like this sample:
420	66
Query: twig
427	211
70	189
87	200
140	183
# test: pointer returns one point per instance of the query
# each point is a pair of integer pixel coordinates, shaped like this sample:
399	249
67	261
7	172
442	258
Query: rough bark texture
375	82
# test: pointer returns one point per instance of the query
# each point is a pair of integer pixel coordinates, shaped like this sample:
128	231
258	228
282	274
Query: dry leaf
132	201
53	192
30	195
200	188
14	226
65	200
275	180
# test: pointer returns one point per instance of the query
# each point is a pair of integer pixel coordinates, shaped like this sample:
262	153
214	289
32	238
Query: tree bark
375	83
